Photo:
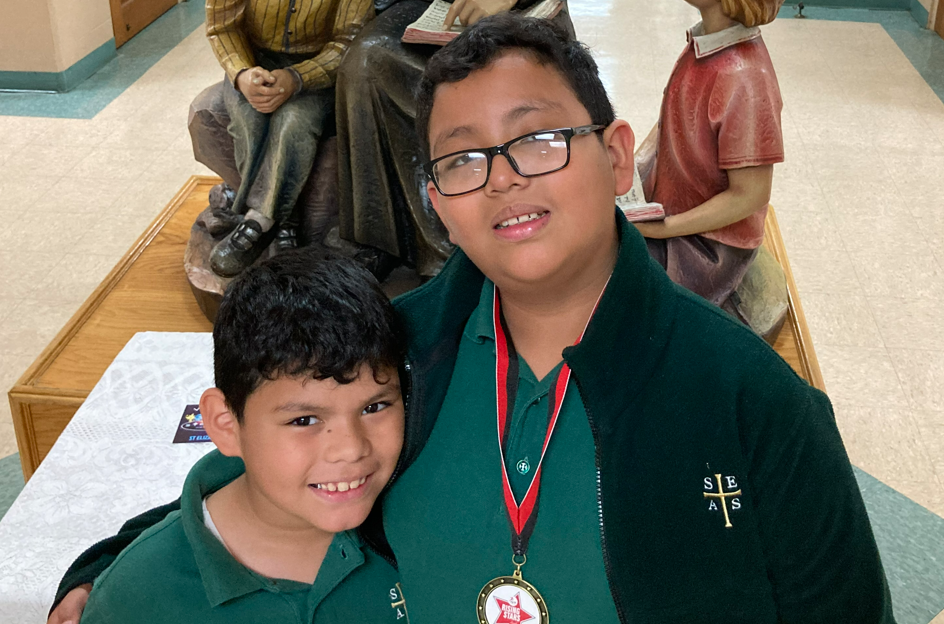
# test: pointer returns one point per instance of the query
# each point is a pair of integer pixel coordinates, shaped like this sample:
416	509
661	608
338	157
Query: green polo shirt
445	518
177	571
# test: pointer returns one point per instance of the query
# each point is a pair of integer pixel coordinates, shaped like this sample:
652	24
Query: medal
511	599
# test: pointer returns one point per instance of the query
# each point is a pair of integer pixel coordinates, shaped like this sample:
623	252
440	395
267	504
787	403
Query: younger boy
717	141
308	422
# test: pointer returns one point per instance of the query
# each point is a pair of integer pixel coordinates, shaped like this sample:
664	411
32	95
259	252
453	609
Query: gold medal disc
511	600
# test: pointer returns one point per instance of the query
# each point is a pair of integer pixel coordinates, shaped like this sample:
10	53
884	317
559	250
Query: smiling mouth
525	218
339	486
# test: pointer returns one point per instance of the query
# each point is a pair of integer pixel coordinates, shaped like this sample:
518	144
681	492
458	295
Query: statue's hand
69	611
266	90
471	11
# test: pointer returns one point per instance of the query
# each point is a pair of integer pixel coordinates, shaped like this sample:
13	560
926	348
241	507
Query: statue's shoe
286	238
232	255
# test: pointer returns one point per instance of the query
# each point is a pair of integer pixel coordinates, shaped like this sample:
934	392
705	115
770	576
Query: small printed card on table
190	429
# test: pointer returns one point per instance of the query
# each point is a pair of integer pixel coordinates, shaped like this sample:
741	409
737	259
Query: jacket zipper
405	392
606	558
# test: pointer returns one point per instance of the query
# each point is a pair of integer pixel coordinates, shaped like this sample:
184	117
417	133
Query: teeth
342	486
521	219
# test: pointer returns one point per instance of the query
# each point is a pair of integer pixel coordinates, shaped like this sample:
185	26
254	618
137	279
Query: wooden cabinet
129	17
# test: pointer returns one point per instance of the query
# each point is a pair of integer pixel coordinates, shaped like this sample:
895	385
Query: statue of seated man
281	58
709	161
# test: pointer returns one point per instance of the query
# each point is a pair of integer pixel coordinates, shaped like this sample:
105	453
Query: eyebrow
514	114
388	392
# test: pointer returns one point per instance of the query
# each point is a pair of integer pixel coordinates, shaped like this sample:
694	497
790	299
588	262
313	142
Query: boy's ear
220	422
620	143
434	200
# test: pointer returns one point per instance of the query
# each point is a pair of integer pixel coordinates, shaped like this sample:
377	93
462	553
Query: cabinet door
129	17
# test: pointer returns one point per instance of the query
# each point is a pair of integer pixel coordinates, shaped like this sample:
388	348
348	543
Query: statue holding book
382	187
709	161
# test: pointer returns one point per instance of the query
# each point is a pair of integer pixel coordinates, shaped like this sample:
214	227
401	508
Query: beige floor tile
23	272
19	193
74	132
864	198
809	230
20	131
939	618
143	134
53	234
873	233
32	325
909	323
115	163
842	320
932	437
860	376
175	164
114	234
12	367
84	197
45	160
148	196
888	272
75	277
921	374
884	443
797	194
823	271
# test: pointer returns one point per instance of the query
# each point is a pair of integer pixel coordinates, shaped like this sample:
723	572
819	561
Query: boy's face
317	452
512	97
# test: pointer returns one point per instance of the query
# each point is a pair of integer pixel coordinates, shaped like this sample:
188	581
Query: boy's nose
346	443
503	176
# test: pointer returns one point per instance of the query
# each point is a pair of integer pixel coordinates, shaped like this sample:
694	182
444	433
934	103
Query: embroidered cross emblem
723	496
399	605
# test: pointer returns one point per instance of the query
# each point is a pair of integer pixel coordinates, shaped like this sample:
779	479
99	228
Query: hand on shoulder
69	611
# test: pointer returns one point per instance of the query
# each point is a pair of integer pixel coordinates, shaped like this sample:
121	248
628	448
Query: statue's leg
249	129
708	268
292	143
381	186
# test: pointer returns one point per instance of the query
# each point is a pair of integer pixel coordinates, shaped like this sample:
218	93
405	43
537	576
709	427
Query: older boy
682	471
308	422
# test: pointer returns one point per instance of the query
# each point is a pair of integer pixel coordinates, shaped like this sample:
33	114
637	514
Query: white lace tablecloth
113	461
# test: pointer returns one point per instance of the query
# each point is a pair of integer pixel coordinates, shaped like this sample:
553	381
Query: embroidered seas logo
511	611
398	602
720	492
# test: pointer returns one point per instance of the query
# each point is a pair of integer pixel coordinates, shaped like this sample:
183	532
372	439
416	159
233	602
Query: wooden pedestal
148	291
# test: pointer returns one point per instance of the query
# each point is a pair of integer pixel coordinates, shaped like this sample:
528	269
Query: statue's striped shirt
321	28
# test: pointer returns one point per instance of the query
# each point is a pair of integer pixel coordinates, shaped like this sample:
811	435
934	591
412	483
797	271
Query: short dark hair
302	313
481	44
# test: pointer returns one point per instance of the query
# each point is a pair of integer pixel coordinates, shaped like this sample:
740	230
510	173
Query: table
113	461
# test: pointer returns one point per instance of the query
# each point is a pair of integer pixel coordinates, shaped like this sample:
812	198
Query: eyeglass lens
532	155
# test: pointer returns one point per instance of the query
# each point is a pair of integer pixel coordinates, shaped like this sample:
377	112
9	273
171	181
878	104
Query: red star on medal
511	611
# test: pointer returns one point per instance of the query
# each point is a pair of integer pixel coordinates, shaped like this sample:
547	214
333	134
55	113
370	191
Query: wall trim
60	81
920	14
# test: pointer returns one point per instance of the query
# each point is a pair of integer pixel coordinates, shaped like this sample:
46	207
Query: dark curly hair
304	312
481	44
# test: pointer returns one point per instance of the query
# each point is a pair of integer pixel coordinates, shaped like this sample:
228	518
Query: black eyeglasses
533	154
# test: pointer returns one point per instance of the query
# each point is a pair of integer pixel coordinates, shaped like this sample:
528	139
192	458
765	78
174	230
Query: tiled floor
859	201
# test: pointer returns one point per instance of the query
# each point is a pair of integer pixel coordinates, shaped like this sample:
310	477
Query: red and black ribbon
523	516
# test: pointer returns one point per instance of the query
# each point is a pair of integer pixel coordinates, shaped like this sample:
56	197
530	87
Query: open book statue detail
429	27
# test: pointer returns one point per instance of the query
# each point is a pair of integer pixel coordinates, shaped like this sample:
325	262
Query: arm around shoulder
820	552
96	559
